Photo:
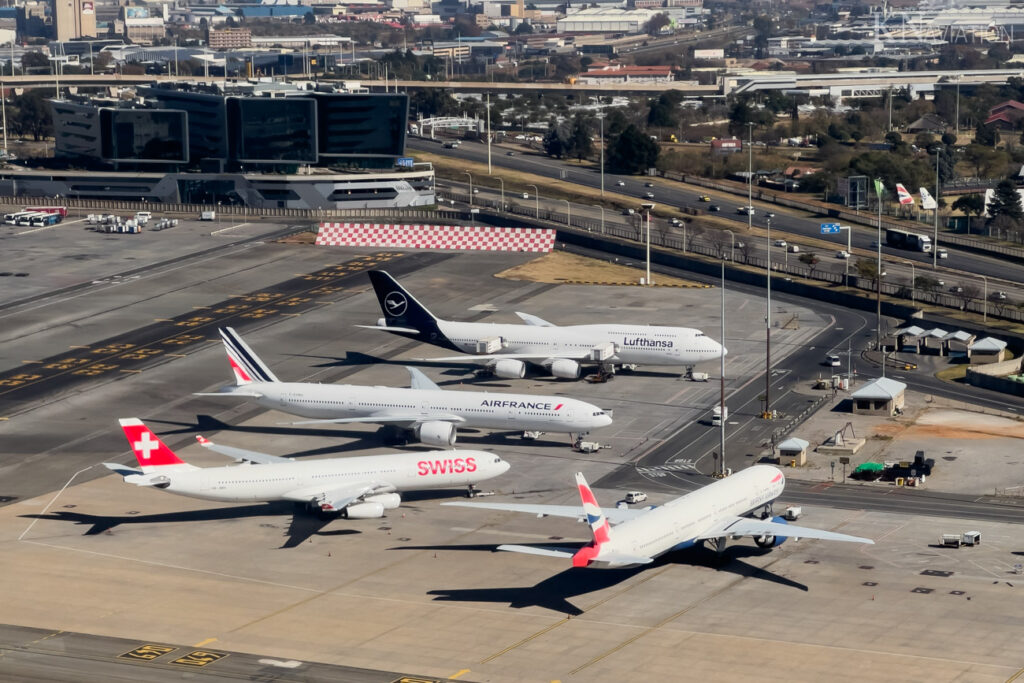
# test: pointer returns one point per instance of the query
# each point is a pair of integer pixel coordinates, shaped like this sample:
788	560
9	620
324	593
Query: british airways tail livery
428	413
560	350
355	487
721	510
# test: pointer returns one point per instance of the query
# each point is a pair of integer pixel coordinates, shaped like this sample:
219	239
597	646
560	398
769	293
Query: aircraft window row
254	481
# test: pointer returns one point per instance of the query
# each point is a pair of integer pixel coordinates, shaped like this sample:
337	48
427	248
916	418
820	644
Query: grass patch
955	373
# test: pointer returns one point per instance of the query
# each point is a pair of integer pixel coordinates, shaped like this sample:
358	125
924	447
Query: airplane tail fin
401	309
245	364
599	526
149	450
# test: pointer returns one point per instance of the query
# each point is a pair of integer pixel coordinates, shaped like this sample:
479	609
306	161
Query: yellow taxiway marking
205	642
460	672
77	346
178	355
132	371
4	419
162	320
293	315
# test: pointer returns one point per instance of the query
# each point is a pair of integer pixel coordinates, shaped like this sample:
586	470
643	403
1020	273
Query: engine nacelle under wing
563	368
436	434
508	368
772	541
364	511
390	501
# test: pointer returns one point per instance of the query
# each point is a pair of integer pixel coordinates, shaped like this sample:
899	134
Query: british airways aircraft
714	513
356	487
429	413
560	350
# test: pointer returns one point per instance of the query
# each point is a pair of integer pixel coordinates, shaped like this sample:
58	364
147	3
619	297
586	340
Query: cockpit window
600	412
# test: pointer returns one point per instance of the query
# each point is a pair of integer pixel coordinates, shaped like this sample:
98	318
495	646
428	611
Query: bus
42	219
27	216
62	211
12	218
902	239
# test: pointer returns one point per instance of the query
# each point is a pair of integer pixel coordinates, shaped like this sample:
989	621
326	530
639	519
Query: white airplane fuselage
514	412
402	472
677	523
634	344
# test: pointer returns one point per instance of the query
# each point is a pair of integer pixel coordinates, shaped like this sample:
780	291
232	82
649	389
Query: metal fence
713	245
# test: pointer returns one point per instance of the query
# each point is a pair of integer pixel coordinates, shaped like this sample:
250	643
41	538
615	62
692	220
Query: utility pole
488	133
878	275
721	438
767	415
935	238
750	175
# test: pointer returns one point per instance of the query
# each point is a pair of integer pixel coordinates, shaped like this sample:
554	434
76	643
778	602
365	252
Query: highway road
679	195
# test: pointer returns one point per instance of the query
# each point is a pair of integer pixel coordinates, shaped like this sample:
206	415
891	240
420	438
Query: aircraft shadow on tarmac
302	526
554	592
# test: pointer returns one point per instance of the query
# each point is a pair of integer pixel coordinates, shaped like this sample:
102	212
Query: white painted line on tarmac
230	227
49	227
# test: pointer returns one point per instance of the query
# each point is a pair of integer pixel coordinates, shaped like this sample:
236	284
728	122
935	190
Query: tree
966	293
34	60
556	142
1005	202
656	23
893	138
867	269
32	113
523	29
970	204
581	145
663	113
999	302
928	286
631	152
810	259
948	139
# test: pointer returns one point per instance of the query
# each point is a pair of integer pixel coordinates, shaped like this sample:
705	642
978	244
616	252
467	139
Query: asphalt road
685	196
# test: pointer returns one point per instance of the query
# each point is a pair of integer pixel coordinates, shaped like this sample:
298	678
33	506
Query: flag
905	197
879	188
927	201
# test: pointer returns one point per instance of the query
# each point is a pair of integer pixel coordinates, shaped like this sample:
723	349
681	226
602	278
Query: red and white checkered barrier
458	237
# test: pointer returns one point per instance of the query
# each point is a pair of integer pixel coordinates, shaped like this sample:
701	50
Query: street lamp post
647	208
849	255
602	217
984	299
768	323
568	213
536	199
750	174
935	238
600	117
878	279
732	248
470	187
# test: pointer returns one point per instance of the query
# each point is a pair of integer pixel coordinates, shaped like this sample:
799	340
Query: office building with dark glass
262	144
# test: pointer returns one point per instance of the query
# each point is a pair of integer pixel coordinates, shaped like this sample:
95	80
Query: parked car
635	497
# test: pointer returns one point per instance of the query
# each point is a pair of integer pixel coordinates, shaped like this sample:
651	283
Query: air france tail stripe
245	358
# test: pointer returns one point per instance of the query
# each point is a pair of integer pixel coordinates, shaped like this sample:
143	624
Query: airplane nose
722	351
504	466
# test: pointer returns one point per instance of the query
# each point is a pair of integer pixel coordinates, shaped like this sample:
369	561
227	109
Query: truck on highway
902	239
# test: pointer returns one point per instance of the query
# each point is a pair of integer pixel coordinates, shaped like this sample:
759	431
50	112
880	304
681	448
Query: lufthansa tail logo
395	303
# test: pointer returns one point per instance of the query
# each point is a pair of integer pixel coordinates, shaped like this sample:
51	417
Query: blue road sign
829	228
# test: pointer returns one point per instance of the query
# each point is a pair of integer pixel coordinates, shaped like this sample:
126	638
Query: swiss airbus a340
428	413
362	487
714	513
561	350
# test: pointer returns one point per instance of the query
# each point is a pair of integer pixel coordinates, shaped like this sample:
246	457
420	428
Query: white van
635	497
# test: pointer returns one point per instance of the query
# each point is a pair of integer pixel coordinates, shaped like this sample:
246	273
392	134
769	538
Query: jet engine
436	434
768	541
390	501
363	511
564	368
508	368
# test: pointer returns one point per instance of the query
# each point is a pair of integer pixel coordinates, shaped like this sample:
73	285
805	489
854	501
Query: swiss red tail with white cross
149	450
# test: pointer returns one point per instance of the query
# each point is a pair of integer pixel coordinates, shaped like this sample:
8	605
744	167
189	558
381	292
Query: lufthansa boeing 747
560	350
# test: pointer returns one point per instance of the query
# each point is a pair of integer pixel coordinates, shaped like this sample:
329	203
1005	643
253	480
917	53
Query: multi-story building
202	144
74	19
229	38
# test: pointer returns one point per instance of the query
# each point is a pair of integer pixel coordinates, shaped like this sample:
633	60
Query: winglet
149	450
203	441
421	381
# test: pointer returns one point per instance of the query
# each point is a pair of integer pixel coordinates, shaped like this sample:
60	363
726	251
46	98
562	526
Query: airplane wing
399	418
538	358
744	526
537	550
614	516
408	330
421	381
534	320
123	470
333	499
241	454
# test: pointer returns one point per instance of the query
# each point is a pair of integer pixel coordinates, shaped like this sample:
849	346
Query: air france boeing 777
560	350
429	413
715	513
357	488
